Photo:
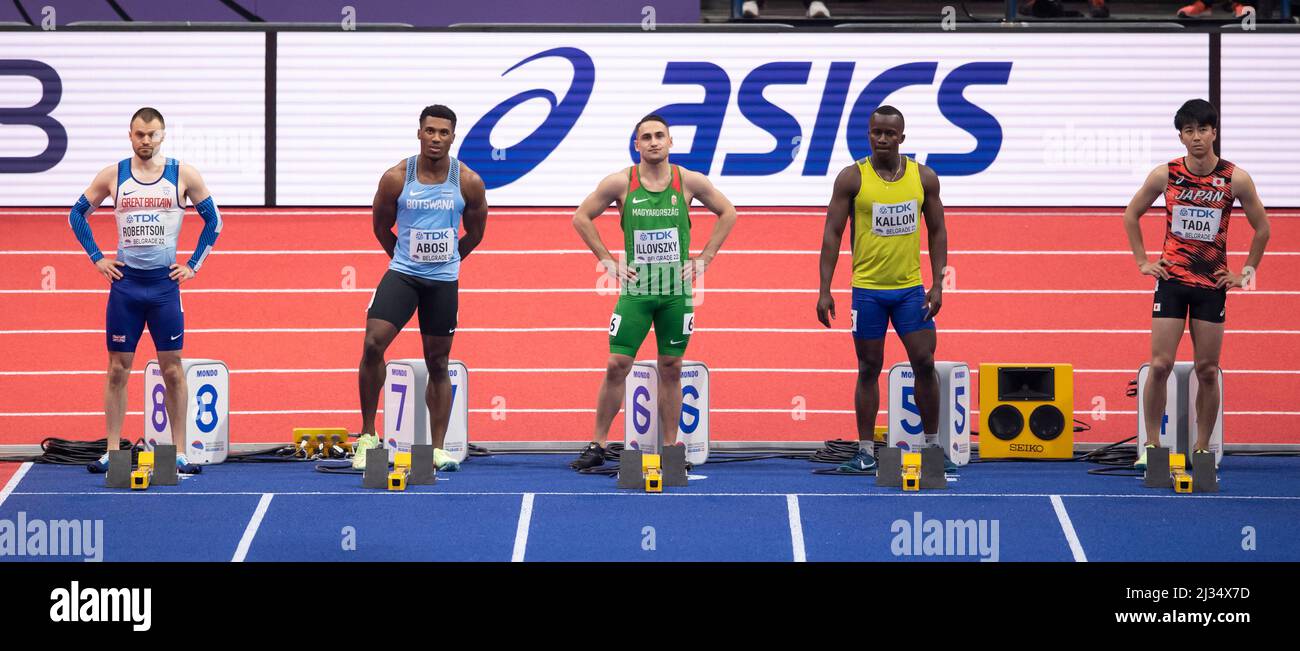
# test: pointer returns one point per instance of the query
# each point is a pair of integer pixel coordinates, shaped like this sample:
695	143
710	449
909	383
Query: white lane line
12	484
251	530
796	528
521	532
1076	549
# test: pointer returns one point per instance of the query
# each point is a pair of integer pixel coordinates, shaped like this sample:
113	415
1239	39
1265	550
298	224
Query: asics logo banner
708	117
498	169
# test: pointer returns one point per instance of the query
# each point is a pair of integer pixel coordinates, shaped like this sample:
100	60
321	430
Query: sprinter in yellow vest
654	199
886	194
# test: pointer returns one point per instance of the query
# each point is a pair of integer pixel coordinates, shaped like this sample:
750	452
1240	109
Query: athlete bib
657	246
1196	222
893	219
432	245
142	229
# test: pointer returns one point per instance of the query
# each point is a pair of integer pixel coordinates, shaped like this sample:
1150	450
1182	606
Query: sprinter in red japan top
1192	274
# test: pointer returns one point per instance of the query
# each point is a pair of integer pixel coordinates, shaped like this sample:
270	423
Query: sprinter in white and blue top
429	197
148	192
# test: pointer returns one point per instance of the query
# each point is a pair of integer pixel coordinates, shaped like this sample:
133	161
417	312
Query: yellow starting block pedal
141	476
1178	473
654	481
653	473
401	472
912	471
1177	463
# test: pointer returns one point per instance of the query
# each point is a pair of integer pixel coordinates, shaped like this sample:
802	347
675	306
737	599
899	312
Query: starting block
401	470
911	471
154	468
413	468
653	476
1167	469
637	469
143	473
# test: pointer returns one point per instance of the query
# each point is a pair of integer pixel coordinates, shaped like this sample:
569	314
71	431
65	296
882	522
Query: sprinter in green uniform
656	271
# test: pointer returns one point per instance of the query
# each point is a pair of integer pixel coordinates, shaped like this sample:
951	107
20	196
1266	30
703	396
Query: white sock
868	447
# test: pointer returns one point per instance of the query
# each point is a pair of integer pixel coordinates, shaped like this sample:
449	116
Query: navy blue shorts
145	296
873	309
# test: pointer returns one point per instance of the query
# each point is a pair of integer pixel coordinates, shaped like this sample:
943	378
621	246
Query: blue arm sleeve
81	228
211	229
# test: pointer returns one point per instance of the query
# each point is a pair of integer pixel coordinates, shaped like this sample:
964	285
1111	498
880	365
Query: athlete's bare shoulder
614	185
849	180
1159	175
468	177
929	178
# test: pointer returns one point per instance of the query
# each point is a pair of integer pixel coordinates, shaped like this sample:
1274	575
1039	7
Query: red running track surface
282	302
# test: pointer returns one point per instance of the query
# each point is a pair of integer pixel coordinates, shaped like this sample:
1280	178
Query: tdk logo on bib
657	246
890	219
1196	223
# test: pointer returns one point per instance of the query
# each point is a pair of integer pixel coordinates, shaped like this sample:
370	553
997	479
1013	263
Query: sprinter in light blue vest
429	196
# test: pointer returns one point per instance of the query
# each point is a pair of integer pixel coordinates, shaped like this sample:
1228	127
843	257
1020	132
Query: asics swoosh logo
641	200
1178	181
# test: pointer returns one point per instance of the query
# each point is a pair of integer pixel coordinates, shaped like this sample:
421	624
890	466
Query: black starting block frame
889	468
673	460
1157	472
423	472
1205	477
164	470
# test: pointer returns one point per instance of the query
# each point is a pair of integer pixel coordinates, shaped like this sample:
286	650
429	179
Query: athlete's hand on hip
1228	280
622	273
1157	269
108	268
181	273
694	268
933	301
825	308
